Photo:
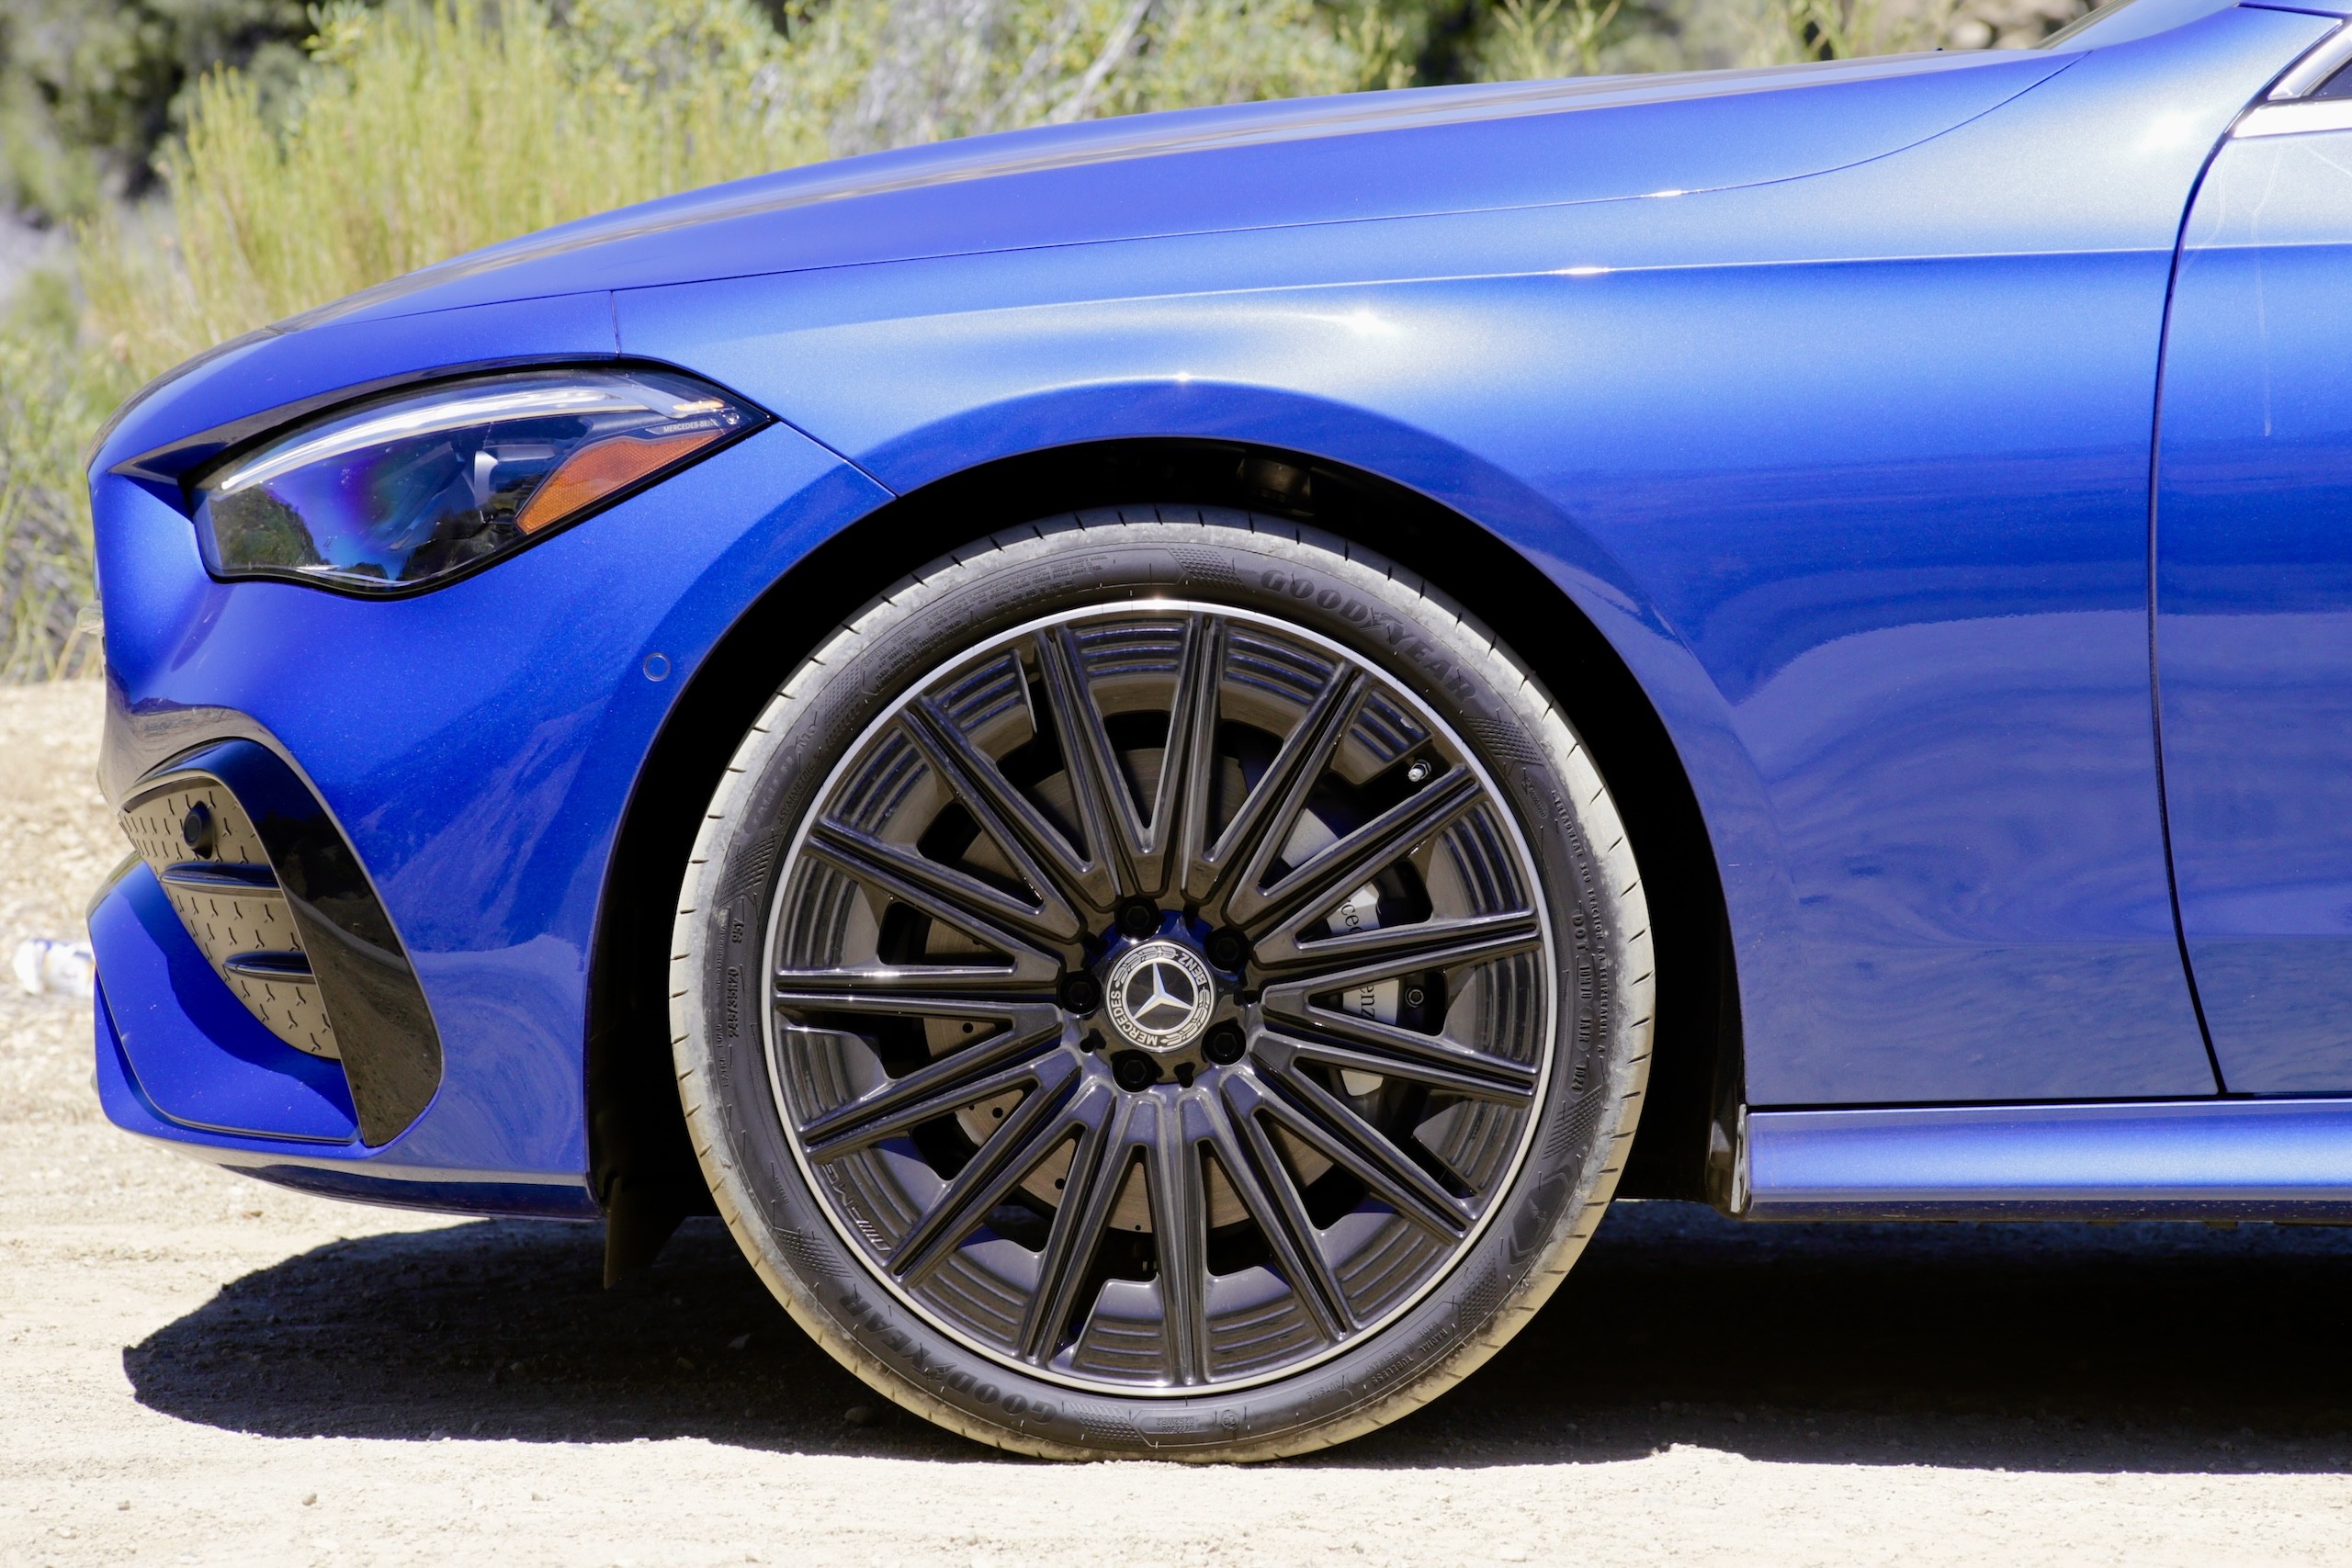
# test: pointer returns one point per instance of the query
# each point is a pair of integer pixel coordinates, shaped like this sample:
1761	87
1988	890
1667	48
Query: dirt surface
195	1367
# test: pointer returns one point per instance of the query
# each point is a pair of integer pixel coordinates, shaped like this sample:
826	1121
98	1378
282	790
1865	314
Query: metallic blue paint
201	1060
2254	597
1885	578
279	1159
1827	395
2218	1159
1227	170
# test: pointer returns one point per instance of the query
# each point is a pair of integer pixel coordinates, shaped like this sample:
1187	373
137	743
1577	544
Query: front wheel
1161	983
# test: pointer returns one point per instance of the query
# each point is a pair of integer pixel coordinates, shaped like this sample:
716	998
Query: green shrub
88	87
52	395
419	134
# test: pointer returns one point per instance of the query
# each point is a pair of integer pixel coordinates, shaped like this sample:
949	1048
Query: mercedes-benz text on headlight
418	486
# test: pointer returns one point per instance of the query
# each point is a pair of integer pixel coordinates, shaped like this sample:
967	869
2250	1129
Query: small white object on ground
65	968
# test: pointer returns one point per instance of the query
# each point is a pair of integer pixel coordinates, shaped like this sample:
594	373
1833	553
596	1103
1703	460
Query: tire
884	1013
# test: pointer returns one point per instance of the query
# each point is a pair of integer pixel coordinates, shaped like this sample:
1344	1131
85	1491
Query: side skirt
2210	1159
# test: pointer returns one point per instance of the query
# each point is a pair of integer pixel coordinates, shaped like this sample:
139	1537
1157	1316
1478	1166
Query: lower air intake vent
277	902
197	840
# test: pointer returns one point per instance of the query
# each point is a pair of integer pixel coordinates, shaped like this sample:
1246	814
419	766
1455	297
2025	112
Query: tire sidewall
1394	623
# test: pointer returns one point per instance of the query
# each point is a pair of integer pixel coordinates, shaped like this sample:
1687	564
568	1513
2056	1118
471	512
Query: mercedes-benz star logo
1159	996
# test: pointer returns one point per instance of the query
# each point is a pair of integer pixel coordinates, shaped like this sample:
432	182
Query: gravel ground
199	1369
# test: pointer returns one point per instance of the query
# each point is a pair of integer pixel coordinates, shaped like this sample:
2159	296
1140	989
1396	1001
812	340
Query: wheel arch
642	1168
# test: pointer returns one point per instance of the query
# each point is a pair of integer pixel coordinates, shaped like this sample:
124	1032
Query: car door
2253	598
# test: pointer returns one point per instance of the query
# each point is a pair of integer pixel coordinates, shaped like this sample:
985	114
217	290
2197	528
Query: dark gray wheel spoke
1044	858
922	991
1374	1047
937	1088
1238	860
1388	1048
1105	807
1387	950
1264	1187
1187	761
1023	961
1136	847
1180	1229
1097	1168
952	988
1309	890
989	913
1337	1133
1010	1153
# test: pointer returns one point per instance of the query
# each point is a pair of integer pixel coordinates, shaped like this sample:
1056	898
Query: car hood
1373	155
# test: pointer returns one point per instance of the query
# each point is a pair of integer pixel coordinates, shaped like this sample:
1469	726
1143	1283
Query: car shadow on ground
2148	1348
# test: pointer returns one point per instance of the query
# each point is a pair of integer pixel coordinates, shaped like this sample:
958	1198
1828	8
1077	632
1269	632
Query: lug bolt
1080	994
1224	1045
1138	917
1229	950
1133	1070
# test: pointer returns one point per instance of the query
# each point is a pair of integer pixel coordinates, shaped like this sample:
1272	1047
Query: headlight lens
422	485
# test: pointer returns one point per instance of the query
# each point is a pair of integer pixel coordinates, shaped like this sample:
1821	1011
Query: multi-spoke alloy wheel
1161	984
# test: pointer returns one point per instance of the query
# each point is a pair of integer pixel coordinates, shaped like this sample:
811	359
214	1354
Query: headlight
415	486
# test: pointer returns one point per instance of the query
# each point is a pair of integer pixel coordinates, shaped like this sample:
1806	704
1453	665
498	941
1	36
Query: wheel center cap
1159	996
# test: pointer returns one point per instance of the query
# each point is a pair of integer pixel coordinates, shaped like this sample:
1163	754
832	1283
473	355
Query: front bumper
475	748
212	1078
270	892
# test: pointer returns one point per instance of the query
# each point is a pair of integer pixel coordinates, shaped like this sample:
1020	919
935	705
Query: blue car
1156	755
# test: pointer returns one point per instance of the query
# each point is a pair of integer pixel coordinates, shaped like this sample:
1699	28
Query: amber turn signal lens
592	473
